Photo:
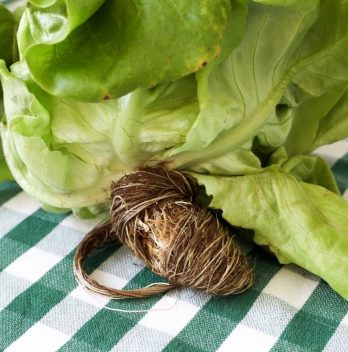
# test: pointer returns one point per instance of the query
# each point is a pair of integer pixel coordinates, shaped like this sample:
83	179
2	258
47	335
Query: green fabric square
7	191
26	310
26	234
340	170
182	346
313	325
11	327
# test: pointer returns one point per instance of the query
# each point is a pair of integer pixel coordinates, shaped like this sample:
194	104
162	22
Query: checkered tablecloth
43	309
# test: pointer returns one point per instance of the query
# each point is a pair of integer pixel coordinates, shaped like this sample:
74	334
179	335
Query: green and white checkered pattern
43	309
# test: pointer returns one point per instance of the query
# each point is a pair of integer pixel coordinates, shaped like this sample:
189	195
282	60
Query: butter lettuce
238	93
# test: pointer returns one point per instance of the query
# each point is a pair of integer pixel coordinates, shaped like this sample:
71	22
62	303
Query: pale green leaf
299	222
122	46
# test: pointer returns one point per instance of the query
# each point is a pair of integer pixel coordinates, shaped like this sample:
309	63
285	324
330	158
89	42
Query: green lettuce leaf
327	123
122	46
308	168
5	173
66	153
150	121
8	26
333	127
299	222
246	87
49	22
270	83
217	109
321	88
56	149
7	42
8	52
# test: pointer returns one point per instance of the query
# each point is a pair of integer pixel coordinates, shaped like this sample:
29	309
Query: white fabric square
77	311
108	279
332	152
33	264
12	287
89	297
345	320
291	287
9	219
142	339
122	264
39	338
84	226
170	321
95	299
22	203
269	315
245	339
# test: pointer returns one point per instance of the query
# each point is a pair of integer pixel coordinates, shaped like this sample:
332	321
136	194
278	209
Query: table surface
42	308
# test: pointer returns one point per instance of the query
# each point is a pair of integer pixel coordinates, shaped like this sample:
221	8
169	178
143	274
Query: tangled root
153	211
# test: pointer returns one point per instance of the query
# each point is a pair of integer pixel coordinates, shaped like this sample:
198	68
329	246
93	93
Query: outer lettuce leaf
8	26
239	161
324	50
300	223
308	116
334	126
66	153
123	46
7	41
51	21
216	109
308	168
249	83
8	52
321	83
320	118
151	121
63	174
275	74
327	123
5	173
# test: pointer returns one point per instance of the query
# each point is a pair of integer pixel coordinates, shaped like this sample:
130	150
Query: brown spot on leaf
217	52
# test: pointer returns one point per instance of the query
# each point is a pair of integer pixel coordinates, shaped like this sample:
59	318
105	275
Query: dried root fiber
153	211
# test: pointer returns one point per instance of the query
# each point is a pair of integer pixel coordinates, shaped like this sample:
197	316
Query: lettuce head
237	93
